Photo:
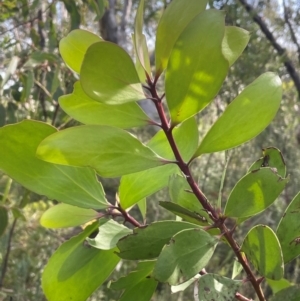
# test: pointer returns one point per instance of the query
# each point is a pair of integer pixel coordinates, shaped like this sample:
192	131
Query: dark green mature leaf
89	111
187	215
246	116
137	283
147	242
74	46
139	39
234	42
133	188
291	294
272	157
185	255
173	21
74	271
3	219
263	249
111	151
288	230
216	287
255	192
64	215
108	75
198	55
109	234
71	185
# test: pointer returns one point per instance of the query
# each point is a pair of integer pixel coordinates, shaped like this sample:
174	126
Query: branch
281	51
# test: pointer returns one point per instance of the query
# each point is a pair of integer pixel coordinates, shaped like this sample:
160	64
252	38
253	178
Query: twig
281	51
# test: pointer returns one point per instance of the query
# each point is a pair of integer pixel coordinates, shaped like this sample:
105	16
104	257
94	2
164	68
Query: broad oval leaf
291	294
246	116
74	271
109	234
255	192
216	287
111	151
108	75
185	255
272	157
133	188
64	215
288	230
173	21
89	111
137	283
198	55
234	42
263	249
71	185
147	242
3	219
74	46
278	285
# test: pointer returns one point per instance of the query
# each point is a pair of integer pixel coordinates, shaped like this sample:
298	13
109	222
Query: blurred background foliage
33	76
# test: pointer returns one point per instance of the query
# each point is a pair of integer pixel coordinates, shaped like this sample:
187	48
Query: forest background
33	77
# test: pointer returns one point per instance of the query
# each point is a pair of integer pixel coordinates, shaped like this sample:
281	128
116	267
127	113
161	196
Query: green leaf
133	188
288	230
64	215
111	151
185	255
139	39
263	249
187	215
74	271
246	116
237	269
137	283
198	55
108	75
216	287
180	193
234	42
147	242
183	286
272	157
89	111
3	219
109	234
278	285
173	21
71	185
74	46
291	294
142	204
255	192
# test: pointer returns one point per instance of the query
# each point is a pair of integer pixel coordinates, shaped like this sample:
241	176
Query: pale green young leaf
234	42
173	21
272	157
75	271
74	46
278	285
139	39
255	192
216	287
246	116
147	242
288	230
197	67
142	205
109	234
64	215
185	255
89	111
108	75
112	152
71	185
263	249
183	286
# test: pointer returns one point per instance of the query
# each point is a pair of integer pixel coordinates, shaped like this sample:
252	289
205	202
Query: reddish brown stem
214	215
